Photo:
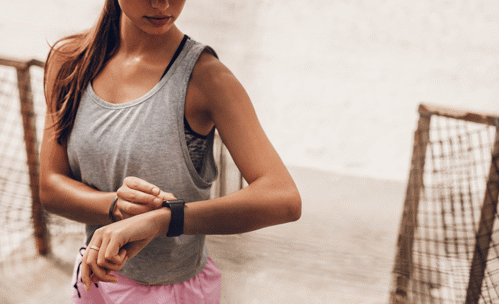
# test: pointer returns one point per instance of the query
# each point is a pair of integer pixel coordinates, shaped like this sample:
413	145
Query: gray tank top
145	138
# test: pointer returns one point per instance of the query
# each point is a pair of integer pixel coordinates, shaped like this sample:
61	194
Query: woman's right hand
137	196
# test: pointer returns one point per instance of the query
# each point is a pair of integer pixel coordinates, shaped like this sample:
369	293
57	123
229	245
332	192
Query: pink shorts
204	288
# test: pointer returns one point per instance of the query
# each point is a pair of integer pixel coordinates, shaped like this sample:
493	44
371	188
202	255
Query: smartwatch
176	226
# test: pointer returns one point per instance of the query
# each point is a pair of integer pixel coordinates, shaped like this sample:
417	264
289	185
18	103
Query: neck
136	43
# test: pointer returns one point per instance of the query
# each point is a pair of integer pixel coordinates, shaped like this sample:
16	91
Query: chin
156	31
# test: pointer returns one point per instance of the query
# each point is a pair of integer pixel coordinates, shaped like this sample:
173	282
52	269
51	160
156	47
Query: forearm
69	198
259	205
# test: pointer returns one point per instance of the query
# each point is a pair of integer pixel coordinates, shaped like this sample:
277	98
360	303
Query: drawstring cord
78	273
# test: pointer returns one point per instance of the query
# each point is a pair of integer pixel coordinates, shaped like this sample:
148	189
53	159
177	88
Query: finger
141	185
165	196
123	255
125	215
108	277
95	272
95	279
102	274
101	257
85	272
109	267
88	267
136	196
114	253
117	262
131	209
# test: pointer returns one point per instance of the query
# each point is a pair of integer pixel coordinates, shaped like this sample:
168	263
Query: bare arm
61	194
271	196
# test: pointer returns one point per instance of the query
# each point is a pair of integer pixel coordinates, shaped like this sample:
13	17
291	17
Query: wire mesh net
15	196
17	233
448	247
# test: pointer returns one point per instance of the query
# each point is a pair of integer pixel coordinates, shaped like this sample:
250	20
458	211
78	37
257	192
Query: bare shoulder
209	70
215	81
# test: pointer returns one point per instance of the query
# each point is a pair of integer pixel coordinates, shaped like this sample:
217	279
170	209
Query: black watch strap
176	226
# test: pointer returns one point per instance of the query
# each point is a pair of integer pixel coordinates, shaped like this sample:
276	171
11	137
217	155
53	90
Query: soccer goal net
448	242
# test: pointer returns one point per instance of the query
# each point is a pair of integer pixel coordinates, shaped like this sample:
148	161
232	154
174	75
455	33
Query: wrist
117	214
161	219
112	210
176	226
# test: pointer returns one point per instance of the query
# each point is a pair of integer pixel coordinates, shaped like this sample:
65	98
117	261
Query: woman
132	106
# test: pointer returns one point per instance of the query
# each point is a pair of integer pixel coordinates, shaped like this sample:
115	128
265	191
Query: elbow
294	206
44	199
45	195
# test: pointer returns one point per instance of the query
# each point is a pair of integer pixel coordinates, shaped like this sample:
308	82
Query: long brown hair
92	49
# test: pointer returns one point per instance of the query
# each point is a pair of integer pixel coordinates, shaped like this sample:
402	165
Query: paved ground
340	251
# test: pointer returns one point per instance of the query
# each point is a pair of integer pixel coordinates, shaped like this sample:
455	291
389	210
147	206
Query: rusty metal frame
31	146
403	259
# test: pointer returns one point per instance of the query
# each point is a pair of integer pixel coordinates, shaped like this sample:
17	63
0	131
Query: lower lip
158	22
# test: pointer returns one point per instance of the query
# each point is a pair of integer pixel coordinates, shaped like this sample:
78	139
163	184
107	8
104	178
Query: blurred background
336	85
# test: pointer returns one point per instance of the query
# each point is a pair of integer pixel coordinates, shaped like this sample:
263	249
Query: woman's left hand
119	242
